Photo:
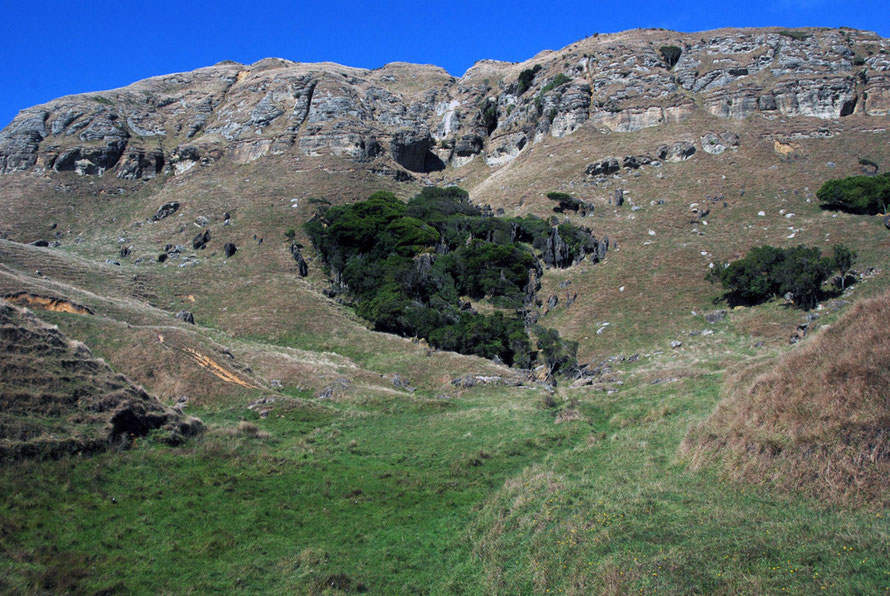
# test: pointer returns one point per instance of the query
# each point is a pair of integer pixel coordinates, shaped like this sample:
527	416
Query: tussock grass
818	420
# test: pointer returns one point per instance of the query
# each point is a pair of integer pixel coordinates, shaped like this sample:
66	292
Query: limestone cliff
405	118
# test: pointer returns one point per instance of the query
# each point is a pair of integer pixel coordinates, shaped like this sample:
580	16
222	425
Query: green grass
479	494
380	498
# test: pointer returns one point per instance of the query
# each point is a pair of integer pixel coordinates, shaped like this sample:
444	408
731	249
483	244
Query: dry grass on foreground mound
818	421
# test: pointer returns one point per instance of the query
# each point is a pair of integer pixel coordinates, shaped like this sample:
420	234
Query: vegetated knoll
57	398
817	421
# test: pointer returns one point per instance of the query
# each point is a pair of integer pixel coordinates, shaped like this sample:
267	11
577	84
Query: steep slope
58	399
818	420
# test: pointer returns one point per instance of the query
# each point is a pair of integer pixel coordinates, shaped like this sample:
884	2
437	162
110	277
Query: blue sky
51	48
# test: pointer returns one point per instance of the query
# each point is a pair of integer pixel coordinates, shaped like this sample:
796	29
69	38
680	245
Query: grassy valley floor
491	491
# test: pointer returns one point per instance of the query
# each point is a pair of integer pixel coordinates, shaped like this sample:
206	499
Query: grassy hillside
816	421
700	456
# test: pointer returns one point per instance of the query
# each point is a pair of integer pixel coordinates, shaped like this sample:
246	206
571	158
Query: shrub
842	259
565	202
559	354
856	194
488	115
671	55
795	35
558	81
767	271
526	77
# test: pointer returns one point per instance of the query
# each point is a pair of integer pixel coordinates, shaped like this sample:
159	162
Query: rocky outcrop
715	143
411	149
679	151
165	210
141	164
418	118
603	167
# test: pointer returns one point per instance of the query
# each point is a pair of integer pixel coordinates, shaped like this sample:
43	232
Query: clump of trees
857	194
406	266
767	271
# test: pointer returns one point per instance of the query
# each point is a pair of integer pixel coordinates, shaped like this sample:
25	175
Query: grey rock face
141	164
468	145
572	110
617	83
20	141
556	252
410	149
89	160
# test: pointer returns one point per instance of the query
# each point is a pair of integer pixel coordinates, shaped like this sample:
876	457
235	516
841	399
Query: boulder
229	249
165	210
619	197
715	144
679	151
603	167
302	266
186	317
635	161
716	316
887	221
201	239
400	383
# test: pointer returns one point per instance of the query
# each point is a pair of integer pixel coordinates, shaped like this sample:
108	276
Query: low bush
526	77
558	81
565	202
670	54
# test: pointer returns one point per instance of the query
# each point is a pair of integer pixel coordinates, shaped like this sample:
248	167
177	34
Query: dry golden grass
818	420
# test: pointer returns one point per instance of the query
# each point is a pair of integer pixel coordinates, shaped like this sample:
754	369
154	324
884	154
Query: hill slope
817	421
58	399
341	459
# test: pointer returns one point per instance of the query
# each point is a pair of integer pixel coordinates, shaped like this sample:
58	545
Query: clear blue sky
50	48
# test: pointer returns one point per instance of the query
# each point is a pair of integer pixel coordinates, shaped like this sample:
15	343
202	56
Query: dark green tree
857	194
